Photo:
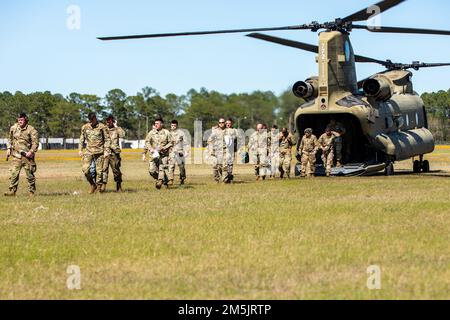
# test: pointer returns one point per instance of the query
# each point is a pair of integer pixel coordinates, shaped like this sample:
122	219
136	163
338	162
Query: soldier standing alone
114	160
326	142
98	142
307	150
22	144
159	144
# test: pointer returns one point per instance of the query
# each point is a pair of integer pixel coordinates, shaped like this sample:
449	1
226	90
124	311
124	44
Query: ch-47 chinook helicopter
384	119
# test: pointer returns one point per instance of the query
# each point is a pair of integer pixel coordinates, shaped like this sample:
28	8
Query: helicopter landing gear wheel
426	166
417	166
389	170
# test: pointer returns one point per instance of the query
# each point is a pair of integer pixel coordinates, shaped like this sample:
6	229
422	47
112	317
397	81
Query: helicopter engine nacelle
306	89
378	87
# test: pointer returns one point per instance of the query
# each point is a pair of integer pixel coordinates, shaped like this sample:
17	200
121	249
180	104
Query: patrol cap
308	130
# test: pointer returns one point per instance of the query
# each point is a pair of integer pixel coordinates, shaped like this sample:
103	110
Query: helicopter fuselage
384	122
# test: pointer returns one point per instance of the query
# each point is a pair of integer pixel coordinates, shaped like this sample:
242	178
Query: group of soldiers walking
99	148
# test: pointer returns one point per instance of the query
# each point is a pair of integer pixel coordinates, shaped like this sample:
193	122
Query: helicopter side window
400	122
417	119
407	120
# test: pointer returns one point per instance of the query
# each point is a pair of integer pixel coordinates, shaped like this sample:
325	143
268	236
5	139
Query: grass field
297	239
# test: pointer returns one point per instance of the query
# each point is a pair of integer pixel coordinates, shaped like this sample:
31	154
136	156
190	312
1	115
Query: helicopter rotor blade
285	42
368	13
198	33
420	65
306	46
402	30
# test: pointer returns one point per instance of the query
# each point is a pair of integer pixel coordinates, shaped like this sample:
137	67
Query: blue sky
38	51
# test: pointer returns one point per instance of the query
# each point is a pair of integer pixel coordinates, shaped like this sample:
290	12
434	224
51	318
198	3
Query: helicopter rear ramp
348	170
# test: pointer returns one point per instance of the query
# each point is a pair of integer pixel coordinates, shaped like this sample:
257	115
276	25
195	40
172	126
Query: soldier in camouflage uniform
259	144
95	136
217	149
114	160
158	144
178	153
274	151
22	144
307	150
326	142
338	131
230	142
286	142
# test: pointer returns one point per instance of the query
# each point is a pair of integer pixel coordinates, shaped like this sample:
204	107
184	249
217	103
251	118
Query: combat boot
182	182
281	175
101	188
170	183
159	184
119	186
93	188
257	178
10	193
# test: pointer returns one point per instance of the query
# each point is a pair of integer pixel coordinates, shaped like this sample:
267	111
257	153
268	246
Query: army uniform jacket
22	140
160	141
308	145
259	143
179	141
216	141
326	142
115	135
96	138
285	143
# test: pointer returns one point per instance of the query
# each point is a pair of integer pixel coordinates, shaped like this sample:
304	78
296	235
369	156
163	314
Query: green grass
297	239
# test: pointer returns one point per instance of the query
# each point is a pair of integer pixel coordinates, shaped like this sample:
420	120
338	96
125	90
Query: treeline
438	107
58	116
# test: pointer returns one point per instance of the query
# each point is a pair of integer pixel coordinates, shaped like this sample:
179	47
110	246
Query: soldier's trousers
176	159
274	164
99	160
262	165
115	162
328	158
159	168
285	163
30	168
220	166
308	158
